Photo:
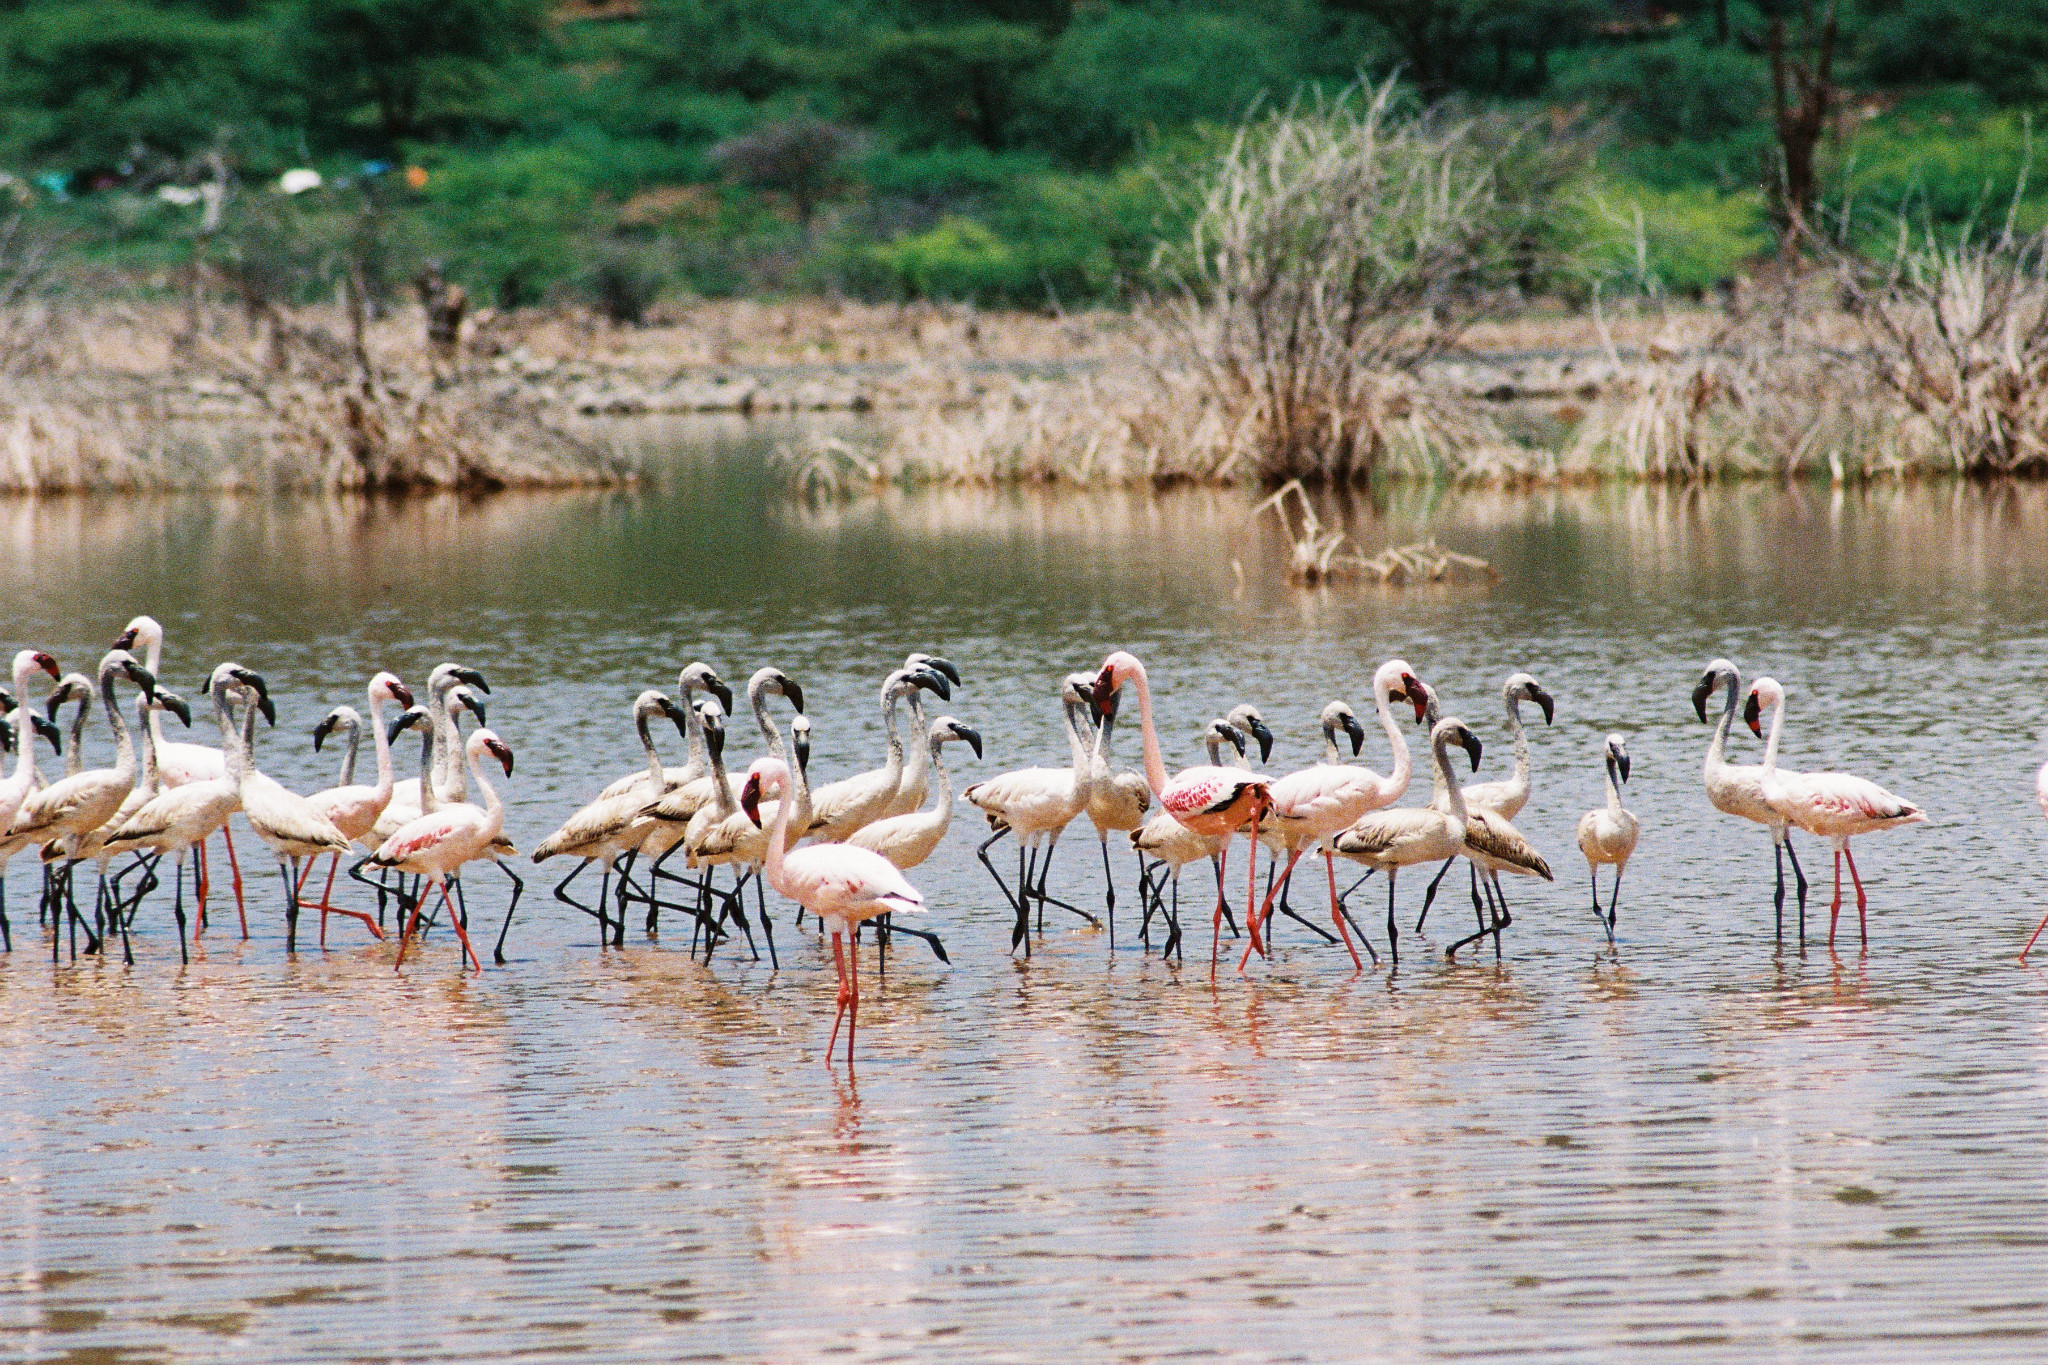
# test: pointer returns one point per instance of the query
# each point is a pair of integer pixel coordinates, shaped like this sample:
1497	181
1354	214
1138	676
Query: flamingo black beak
402	722
1357	733
934	682
1621	762
141	677
502	752
750	798
794	693
175	704
1105	688
717	688
1264	737
48	664
969	734
6	735
1417	694
126	640
945	666
1472	746
400	693
1544	700
1752	715
677	714
802	746
1700	695
250	678
1236	740
473	678
47	728
322	731
714	741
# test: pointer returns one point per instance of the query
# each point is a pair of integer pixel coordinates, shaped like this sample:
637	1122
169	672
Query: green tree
937	85
403	55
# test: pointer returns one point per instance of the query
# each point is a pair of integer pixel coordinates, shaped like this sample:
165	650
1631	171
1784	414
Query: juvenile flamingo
1034	803
283	819
350	806
1832	806
436	846
907	840
916	769
1737	789
839	808
22	781
1208	800
1389	840
1503	796
1312	806
843	885
1607	834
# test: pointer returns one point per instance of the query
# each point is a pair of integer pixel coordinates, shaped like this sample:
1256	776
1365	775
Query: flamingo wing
428	832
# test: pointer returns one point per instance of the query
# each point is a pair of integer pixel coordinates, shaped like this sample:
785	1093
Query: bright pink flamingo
1833	806
842	884
436	846
2040	795
1314	805
1208	800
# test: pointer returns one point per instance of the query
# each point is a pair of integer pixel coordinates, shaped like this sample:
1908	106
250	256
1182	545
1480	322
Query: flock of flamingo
858	836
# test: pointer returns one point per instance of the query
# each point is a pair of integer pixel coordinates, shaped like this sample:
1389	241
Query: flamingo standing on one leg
1607	834
844	886
436	846
1208	800
1737	789
1832	806
1312	806
350	806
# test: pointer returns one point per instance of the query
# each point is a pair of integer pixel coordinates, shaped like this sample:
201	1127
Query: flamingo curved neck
919	758
144	713
1155	765
1404	767
693	735
25	731
383	743
1613	787
757	697
152	659
894	765
1454	794
943	805
74	761
1520	779
778	836
655	774
124	745
721	785
233	759
1777	728
347	776
1717	749
494	808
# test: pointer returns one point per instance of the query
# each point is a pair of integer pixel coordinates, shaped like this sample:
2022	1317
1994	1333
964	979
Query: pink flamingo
436	846
1209	800
1832	806
842	884
2040	795
354	807
1314	805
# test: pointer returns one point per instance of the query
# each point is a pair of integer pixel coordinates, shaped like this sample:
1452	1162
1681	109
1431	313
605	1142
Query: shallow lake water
1697	1145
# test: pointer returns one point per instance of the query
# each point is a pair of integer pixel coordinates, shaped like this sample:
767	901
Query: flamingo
16	788
1389	840
1832	806
1504	796
83	802
842	884
1738	789
411	798
1174	845
93	845
695	677
2040	797
1607	835
1116	801
916	772
290	824
436	846
907	840
178	820
1313	805
1208	800
72	687
350	806
840	808
1033	803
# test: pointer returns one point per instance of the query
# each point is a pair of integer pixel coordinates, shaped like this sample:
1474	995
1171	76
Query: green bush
1635	236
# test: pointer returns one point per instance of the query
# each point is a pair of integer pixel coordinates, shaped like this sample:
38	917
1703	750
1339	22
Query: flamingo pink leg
1265	911
839	962
1835	910
2030	942
1337	911
460	932
1216	937
228	838
406	937
1862	924
327	904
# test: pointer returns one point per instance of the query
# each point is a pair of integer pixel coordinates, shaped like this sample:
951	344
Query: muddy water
1694	1146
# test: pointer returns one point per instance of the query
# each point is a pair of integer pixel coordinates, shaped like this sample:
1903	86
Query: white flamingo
1503	796
907	840
839	808
1117	801
1829	805
282	819
436	846
735	839
1607	834
695	677
1208	800
353	807
1389	840
1312	806
1738	789
843	885
916	771
22	781
1034	803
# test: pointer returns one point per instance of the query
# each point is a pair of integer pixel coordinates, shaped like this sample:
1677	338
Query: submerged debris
1319	556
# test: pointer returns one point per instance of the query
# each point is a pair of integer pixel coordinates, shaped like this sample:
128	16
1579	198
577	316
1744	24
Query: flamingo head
1617	755
768	777
143	631
1763	693
485	741
122	662
1718	674
1338	715
772	679
252	681
29	660
340	718
461	699
800	741
403	721
946	728
47	728
1223	732
712	716
1078	690
1118	669
447	675
701	677
1451	730
1403	685
387	687
166	700
932	663
1523	687
1247	719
